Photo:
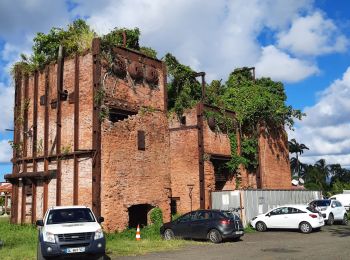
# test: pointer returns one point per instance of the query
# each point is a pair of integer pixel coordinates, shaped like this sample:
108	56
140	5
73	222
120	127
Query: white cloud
325	130
19	19
313	35
333	107
5	151
212	36
6	107
280	66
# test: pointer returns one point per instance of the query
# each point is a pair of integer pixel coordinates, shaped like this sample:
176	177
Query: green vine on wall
256	102
17	147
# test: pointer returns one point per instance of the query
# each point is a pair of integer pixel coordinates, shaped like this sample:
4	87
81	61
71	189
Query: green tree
295	148
317	175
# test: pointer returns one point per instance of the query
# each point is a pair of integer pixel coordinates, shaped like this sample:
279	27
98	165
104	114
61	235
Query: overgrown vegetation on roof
256	102
76	38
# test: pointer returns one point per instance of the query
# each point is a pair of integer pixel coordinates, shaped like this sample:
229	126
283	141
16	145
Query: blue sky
303	43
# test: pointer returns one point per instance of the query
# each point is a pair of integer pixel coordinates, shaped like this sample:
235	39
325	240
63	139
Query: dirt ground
332	242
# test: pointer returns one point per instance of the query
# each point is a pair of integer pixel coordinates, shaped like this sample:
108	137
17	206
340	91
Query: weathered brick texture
131	176
274	159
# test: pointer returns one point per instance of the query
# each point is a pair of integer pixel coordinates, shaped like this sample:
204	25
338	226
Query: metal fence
255	202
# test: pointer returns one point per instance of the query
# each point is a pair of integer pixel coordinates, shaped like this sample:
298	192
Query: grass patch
20	241
249	229
124	243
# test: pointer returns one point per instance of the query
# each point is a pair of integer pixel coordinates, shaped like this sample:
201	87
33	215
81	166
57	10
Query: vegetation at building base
329	178
20	241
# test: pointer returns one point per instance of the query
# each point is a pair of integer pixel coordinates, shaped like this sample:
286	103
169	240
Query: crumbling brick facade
96	133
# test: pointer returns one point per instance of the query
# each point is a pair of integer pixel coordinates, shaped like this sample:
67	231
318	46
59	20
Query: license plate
75	250
239	232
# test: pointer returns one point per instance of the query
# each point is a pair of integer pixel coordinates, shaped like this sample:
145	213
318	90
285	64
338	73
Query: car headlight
98	234
49	237
254	218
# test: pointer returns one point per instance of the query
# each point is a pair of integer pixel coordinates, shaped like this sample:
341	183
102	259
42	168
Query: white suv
72	230
331	210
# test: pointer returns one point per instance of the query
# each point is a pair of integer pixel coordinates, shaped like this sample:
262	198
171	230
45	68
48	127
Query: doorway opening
138	215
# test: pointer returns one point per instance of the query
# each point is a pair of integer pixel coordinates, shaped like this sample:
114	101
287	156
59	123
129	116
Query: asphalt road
332	242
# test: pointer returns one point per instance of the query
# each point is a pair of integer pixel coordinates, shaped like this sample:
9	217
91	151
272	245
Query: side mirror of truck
40	223
100	219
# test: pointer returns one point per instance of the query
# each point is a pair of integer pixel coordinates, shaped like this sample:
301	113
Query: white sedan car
299	217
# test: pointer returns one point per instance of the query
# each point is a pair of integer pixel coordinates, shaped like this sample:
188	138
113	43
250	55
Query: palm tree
295	147
317	174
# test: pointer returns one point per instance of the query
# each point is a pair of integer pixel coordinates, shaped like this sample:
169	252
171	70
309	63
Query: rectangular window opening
141	144
116	115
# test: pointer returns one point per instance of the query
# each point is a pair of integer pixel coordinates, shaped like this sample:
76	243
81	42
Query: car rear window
322	203
313	210
229	214
72	215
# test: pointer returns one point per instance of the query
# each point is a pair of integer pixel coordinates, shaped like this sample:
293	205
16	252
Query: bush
156	216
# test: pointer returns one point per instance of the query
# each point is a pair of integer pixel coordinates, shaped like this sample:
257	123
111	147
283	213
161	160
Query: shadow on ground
340	231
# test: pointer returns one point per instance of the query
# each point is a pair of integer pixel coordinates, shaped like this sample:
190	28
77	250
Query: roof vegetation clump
76	38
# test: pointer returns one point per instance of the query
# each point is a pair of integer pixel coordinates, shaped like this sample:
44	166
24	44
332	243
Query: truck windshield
72	215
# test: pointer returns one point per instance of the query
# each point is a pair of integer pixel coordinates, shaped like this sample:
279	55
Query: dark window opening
173	205
221	172
42	100
183	120
116	115
141	143
138	215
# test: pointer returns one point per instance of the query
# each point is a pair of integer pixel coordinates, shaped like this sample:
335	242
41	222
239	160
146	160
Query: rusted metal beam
34	145
55	156
24	110
59	123
76	132
96	127
201	155
46	138
16	139
31	175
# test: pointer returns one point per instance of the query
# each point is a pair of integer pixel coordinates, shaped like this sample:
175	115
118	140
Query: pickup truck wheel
330	220
39	255
345	220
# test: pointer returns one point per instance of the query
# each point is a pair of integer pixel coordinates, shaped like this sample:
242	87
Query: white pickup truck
70	231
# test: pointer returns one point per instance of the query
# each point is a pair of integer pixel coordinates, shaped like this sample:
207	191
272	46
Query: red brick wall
130	94
85	102
274	160
131	176
215	142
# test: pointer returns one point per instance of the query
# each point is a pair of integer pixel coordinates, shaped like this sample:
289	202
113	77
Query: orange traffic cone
138	234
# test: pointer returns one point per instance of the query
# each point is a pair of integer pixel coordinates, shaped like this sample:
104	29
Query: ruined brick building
92	134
